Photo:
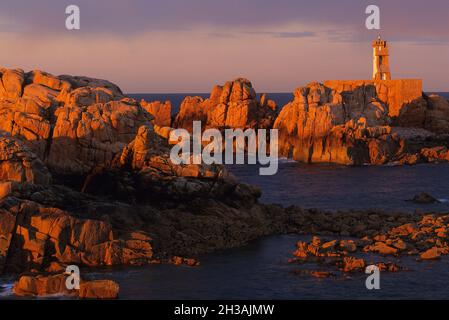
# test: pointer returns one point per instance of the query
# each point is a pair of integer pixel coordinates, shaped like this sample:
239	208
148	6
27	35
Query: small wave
286	160
392	164
276	160
443	200
6	289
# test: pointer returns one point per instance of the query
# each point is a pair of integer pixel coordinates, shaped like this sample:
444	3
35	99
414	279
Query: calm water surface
333	187
260	270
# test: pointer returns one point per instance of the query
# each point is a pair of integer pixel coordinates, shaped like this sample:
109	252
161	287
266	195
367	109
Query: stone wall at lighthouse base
394	93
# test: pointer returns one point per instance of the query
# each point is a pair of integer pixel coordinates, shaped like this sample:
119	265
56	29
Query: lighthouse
381	65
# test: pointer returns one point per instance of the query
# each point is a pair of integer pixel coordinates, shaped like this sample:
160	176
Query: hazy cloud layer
411	17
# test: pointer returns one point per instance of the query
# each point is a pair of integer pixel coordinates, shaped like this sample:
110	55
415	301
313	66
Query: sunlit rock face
346	122
43	235
19	164
85	179
71	123
55	285
360	122
395	94
233	105
86	131
160	111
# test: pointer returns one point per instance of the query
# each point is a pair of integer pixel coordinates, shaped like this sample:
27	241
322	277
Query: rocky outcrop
191	109
37	235
18	163
72	124
396	94
424	237
428	112
424	198
144	172
355	126
44	228
55	285
233	105
436	154
160	111
84	138
327	253
318	127
437	115
94	140
431	254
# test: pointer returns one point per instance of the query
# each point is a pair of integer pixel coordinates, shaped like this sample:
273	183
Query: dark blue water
443	94
333	187
260	270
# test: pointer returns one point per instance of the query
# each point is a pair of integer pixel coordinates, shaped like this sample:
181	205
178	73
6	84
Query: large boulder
51	285
42	286
437	115
321	125
431	113
160	111
45	79
80	81
11	86
86	137
192	109
99	289
233	105
413	114
18	163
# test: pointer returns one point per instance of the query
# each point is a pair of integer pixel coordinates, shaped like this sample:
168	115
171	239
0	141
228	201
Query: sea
260	269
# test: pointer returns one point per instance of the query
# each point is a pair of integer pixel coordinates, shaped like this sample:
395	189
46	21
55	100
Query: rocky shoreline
425	239
86	180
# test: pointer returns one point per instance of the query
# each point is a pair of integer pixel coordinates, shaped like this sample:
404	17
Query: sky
170	46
